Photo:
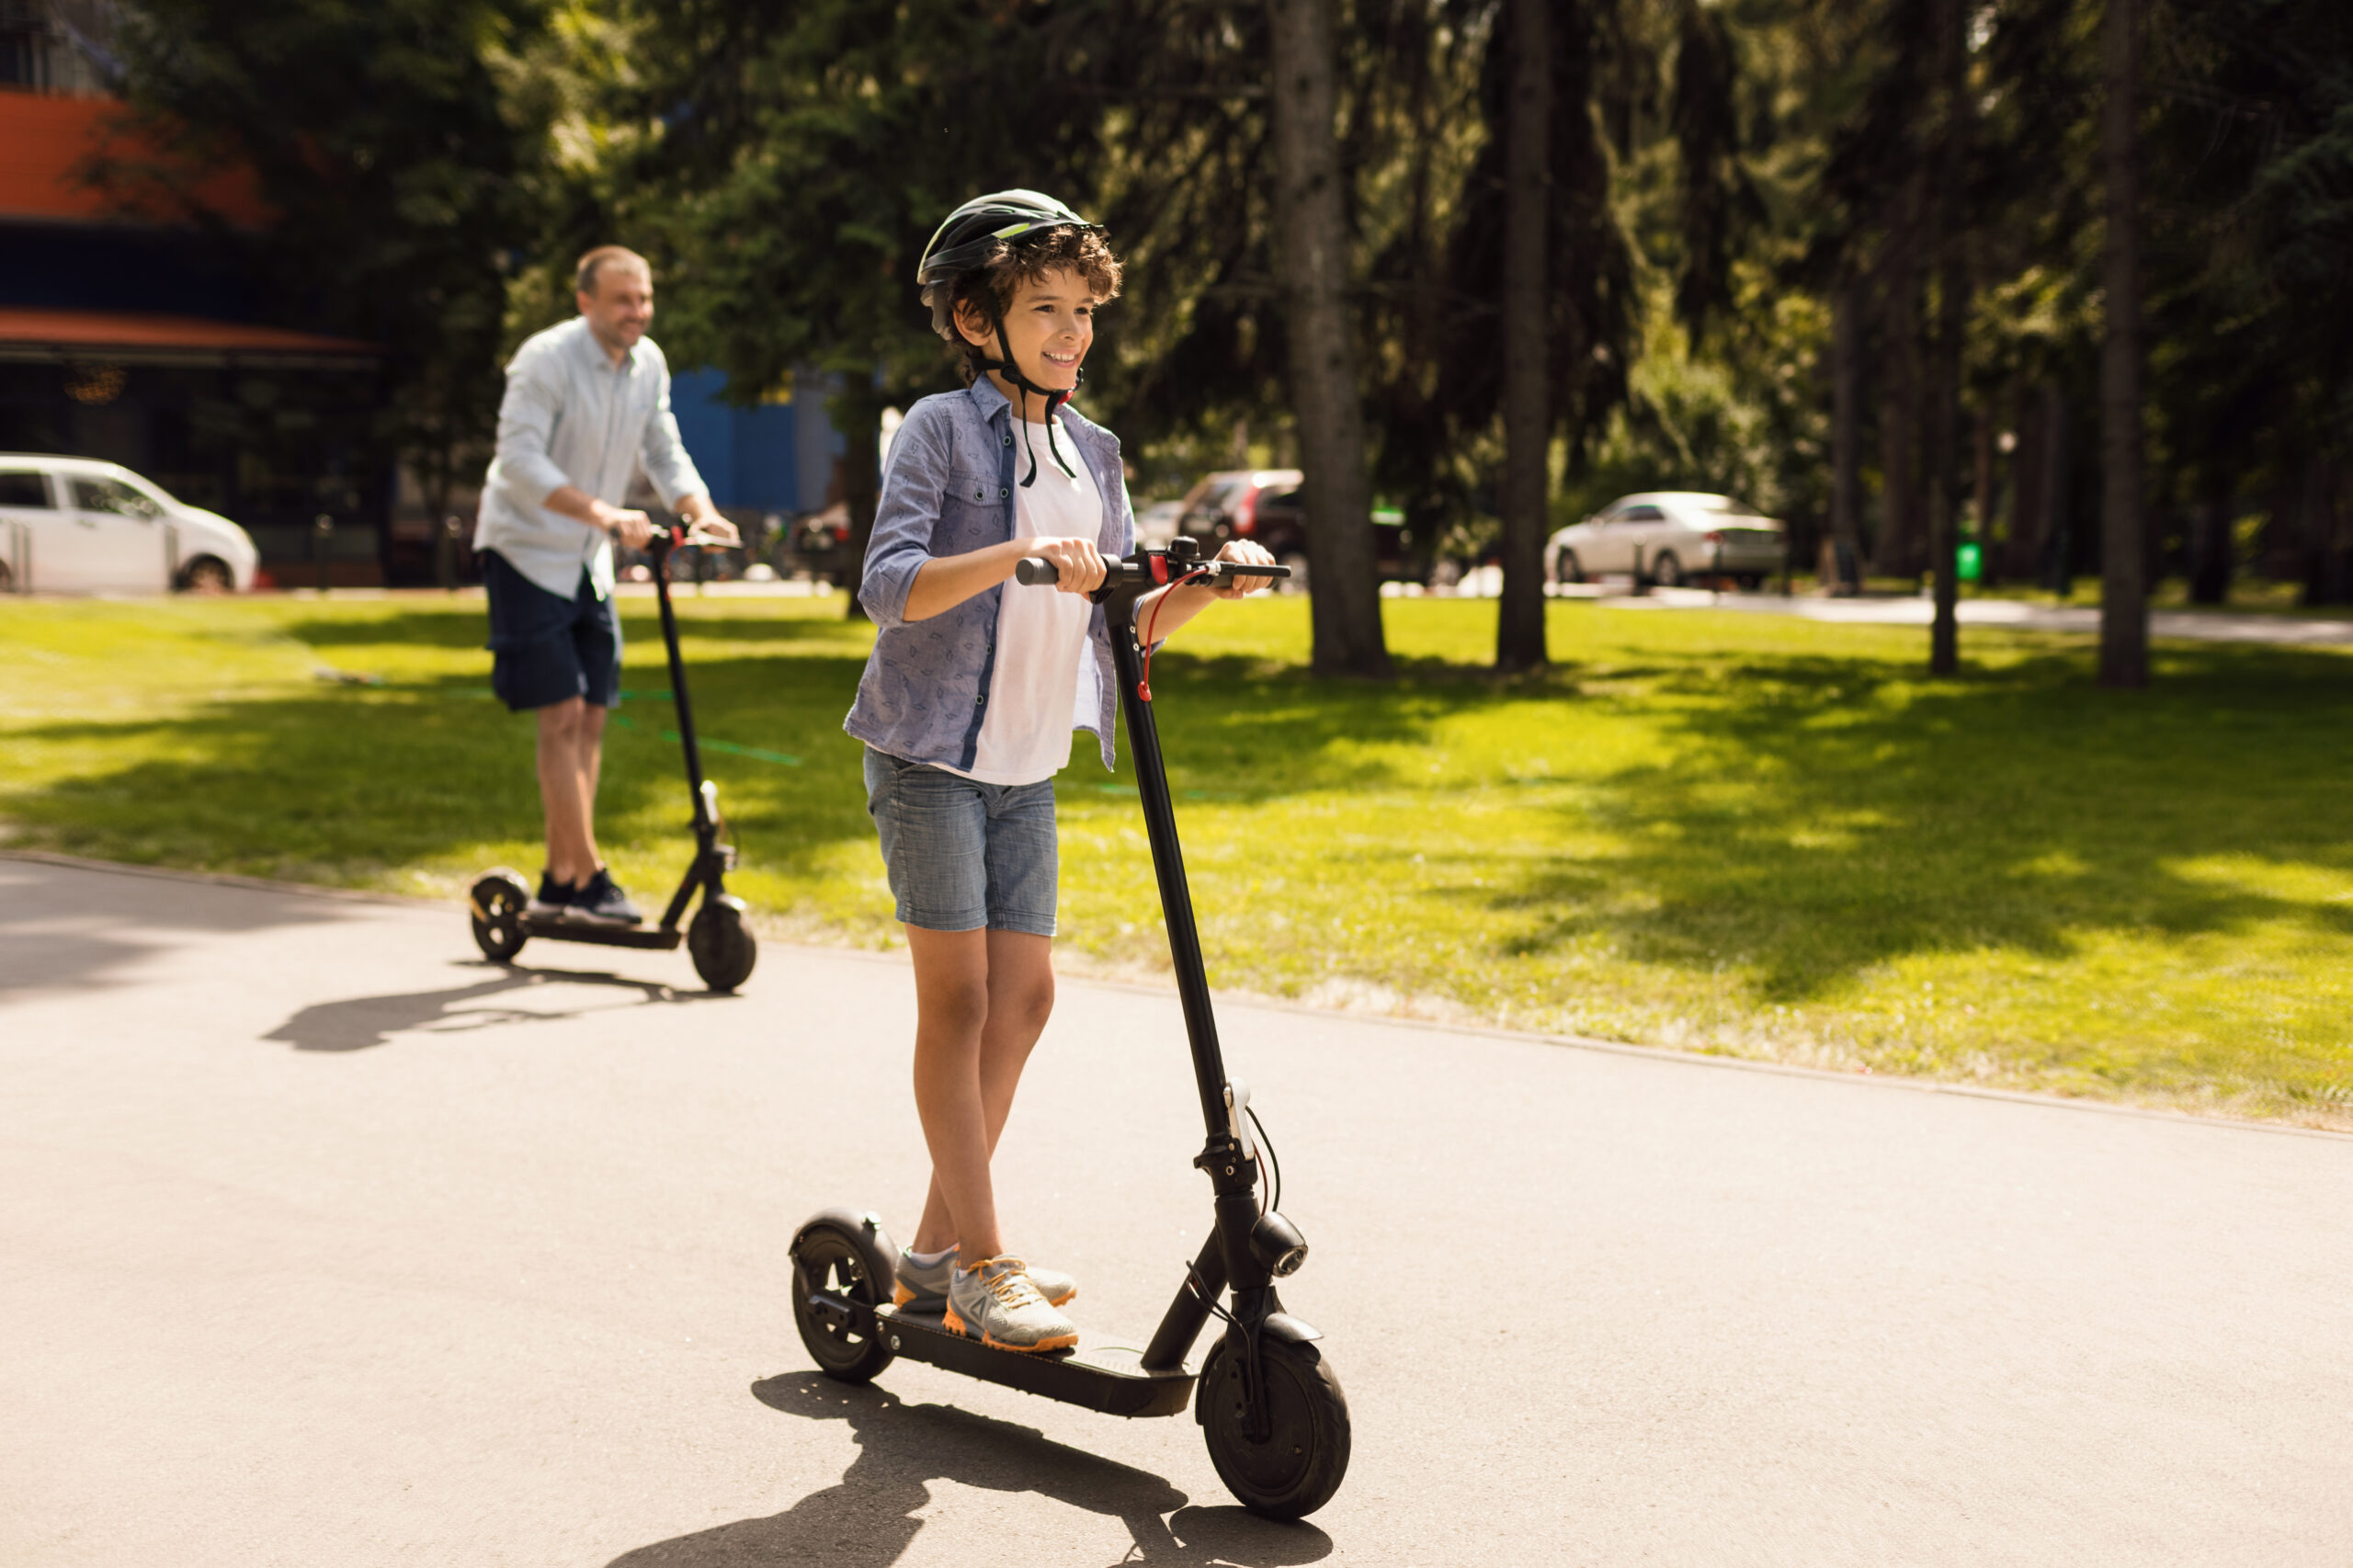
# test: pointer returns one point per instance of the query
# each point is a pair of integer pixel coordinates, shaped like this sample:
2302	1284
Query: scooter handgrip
1035	571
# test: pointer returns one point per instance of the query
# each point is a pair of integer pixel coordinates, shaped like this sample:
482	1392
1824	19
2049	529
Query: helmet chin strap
1055	398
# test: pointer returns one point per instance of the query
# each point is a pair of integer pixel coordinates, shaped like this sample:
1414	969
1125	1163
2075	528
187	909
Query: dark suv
1265	507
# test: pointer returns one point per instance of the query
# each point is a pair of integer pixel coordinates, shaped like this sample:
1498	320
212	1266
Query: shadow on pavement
868	1521
67	928
359	1022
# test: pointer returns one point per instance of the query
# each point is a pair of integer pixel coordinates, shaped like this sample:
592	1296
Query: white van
72	526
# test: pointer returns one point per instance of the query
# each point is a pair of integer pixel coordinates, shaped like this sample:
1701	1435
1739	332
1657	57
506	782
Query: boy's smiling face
1049	326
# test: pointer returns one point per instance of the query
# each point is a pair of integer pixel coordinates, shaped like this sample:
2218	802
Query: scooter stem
1168	864
661	546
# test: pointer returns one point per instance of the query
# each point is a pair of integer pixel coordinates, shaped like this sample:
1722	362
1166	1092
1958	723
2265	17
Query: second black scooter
720	943
1270	1409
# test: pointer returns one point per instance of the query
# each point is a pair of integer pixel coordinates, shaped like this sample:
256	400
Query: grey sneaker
994	1302
926	1290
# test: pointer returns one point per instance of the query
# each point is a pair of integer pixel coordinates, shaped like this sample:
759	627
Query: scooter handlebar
1035	572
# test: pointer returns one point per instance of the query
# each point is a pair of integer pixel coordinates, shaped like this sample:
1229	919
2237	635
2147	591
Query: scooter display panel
1109	1379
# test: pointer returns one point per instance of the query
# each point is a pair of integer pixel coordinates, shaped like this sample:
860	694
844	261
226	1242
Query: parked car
1669	537
1156	523
72	526
1265	505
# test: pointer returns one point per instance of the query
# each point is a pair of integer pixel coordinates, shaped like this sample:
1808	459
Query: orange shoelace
1010	1286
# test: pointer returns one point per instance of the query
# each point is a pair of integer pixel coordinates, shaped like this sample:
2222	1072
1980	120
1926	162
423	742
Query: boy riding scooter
970	700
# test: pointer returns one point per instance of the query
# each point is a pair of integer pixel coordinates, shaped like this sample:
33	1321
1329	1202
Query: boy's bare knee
958	1006
1028	1002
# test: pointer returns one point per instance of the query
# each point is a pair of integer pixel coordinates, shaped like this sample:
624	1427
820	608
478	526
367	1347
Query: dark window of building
23	490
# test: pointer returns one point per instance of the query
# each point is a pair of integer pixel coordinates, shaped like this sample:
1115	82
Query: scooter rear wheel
842	1261
720	945
496	904
1300	1465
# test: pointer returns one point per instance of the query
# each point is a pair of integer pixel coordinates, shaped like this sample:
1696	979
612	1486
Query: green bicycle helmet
973	236
974	230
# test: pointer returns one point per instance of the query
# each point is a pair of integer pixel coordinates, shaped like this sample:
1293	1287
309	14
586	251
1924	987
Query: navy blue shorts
546	649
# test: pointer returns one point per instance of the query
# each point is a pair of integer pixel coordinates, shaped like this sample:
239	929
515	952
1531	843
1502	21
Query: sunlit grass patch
1737	834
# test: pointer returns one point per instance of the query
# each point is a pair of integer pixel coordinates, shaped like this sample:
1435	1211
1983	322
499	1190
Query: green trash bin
1969	562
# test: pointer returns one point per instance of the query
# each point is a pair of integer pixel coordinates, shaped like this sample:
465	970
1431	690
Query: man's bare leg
570	746
993	992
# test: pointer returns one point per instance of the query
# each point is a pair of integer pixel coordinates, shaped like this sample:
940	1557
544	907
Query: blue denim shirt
949	490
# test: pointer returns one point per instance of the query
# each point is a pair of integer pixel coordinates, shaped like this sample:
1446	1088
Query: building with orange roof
132	333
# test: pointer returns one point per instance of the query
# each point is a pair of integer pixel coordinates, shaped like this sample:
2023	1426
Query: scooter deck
662	936
1108	1379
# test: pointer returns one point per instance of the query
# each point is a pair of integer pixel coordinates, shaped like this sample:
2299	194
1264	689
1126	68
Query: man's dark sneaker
552	902
599	903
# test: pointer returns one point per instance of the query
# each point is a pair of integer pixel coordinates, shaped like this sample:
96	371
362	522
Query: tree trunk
1528	412
1846	574
2058	493
2211	549
1950	247
2319	534
2022	544
1984	490
1311	265
857	412
2124	589
1897	553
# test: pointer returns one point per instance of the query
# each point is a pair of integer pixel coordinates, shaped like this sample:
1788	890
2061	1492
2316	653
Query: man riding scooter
587	403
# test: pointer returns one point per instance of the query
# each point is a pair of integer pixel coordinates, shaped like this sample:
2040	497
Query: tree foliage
403	147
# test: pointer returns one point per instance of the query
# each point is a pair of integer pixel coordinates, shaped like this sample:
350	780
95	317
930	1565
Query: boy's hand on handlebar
1078	565
1250	554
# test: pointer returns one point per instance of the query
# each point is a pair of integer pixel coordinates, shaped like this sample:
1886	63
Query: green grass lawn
1726	832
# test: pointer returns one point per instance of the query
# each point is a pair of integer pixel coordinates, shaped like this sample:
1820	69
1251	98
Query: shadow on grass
1821	815
465	626
1836	815
870	1517
338	783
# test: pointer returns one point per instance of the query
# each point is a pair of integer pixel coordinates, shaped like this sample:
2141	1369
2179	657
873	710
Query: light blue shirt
571	416
948	490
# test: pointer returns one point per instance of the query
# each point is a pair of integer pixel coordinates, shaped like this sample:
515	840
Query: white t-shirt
1044	684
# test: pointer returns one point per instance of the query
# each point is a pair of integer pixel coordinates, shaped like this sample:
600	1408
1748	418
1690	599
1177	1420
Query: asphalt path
322	1242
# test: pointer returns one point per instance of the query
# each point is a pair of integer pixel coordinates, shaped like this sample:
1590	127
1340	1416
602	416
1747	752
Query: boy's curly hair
992	284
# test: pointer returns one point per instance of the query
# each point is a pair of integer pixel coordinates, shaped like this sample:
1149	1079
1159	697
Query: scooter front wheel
495	904
842	1270
720	945
1298	1464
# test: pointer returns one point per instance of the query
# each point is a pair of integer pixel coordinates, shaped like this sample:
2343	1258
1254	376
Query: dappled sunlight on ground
1739	834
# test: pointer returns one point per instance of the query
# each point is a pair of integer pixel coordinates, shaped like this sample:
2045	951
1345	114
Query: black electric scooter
1270	1407
720	943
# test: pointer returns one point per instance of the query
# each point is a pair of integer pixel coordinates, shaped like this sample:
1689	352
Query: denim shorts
962	854
545	648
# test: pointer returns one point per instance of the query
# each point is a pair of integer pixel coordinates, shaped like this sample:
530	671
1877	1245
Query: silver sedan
1669	537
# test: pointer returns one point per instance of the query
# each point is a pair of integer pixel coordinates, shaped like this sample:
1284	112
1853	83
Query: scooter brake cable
1274	1196
1143	686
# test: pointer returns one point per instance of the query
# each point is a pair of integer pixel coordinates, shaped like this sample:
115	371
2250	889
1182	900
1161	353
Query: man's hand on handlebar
1078	566
1248	553
705	524
632	527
